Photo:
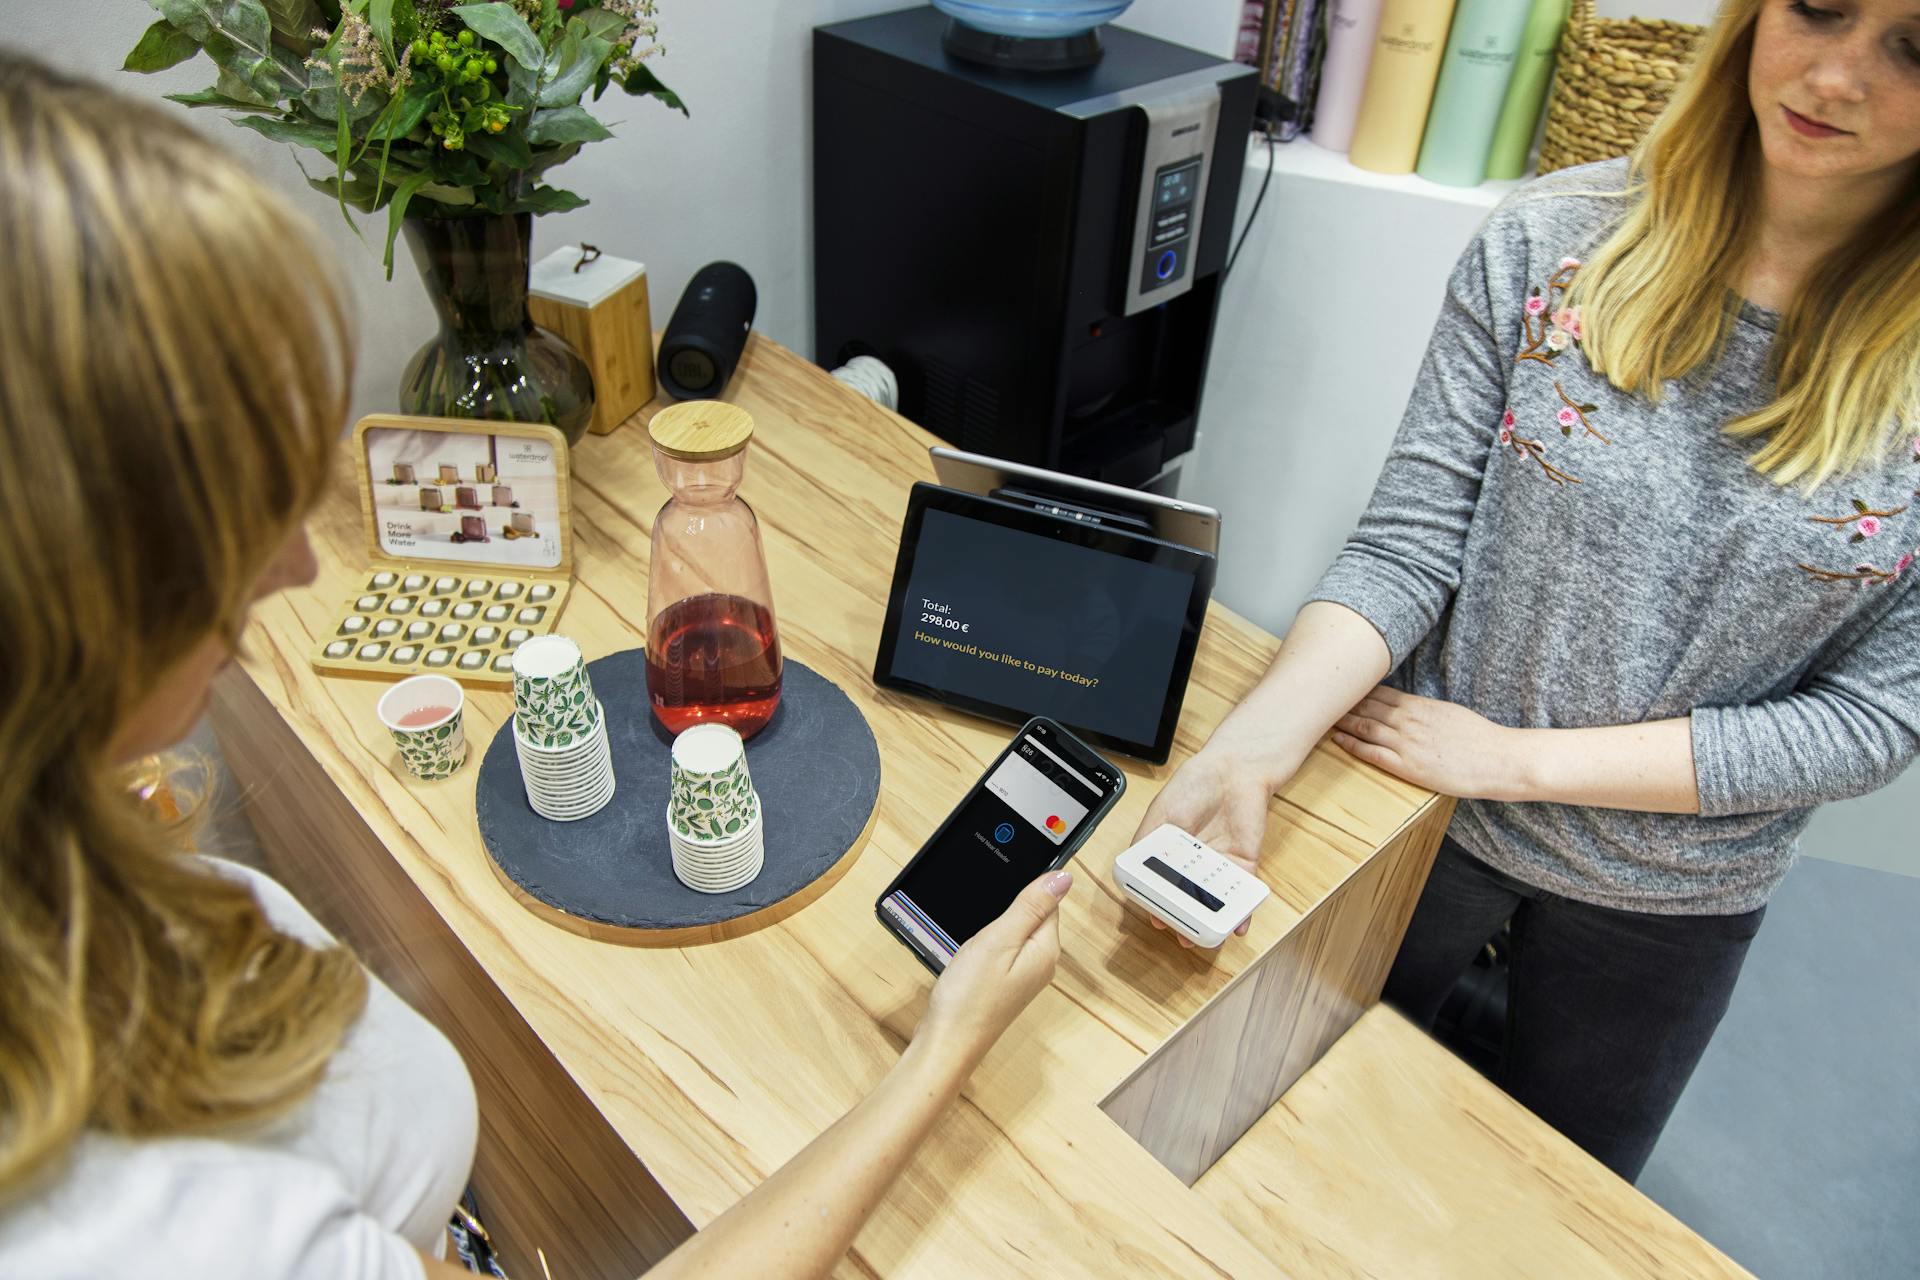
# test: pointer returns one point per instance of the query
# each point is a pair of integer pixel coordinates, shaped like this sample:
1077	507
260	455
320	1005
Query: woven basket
1612	78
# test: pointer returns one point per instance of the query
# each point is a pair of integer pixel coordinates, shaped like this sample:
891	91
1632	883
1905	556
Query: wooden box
602	310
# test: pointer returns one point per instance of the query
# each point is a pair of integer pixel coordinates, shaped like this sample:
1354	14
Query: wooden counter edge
1212	1079
549	1170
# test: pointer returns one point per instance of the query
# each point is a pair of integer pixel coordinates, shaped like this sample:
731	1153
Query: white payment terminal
1198	892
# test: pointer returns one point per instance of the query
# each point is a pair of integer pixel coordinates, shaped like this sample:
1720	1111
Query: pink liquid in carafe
714	658
421	717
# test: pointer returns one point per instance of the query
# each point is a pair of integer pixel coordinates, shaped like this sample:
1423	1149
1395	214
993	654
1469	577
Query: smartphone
1032	809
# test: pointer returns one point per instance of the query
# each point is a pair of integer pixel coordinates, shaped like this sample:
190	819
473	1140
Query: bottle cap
701	430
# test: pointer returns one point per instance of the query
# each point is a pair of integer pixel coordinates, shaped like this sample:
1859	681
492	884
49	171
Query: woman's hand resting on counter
1330	656
1647	767
1438	745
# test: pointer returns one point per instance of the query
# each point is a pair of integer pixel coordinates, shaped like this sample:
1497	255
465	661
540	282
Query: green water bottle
1532	70
1473	85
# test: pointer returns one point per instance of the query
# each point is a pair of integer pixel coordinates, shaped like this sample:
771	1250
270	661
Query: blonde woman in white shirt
194	1080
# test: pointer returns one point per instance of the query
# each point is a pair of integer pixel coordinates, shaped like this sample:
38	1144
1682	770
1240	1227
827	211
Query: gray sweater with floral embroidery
1554	553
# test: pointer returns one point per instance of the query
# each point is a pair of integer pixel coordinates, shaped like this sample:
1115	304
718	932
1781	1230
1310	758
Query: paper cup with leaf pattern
711	796
553	700
423	713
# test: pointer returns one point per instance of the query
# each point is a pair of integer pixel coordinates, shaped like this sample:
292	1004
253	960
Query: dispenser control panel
1170	238
1172	197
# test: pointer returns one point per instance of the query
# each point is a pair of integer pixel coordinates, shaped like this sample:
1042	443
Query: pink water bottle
1352	26
713	653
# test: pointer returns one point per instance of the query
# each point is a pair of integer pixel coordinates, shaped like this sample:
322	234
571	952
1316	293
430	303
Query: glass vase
489	359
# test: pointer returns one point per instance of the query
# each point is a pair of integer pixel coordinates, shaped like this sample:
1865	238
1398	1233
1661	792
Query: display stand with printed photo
469	548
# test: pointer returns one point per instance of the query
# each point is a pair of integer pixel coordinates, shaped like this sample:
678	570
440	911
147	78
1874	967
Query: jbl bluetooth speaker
708	331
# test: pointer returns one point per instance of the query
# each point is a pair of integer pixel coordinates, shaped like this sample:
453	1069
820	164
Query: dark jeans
1608	1011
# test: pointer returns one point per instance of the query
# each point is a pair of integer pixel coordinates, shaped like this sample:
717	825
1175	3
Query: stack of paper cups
559	731
714	822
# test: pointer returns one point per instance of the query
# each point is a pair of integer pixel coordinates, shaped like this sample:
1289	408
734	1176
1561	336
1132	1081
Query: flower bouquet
421	107
448	116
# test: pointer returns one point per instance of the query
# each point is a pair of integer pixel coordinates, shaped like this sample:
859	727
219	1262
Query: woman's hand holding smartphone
1034	806
995	975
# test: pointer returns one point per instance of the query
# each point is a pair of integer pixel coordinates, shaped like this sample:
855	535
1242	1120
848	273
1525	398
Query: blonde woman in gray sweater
1635	582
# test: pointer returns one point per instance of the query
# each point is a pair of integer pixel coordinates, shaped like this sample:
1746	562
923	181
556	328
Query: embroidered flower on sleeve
1862	523
1861	576
1550	330
1865	521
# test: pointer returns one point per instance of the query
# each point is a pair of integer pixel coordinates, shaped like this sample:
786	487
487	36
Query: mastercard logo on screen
1056	826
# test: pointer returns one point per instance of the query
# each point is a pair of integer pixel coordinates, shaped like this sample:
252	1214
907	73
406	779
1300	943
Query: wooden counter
631	1094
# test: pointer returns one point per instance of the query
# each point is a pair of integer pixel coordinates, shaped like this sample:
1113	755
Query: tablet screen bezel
1196	565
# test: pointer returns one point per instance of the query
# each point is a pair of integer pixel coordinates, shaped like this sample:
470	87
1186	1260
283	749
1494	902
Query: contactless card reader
1200	893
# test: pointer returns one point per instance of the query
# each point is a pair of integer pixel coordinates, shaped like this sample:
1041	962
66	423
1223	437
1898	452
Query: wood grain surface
548	1168
1391	1138
1193	1098
715	1064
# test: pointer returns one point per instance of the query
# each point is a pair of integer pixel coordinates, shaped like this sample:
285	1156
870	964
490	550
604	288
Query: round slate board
815	765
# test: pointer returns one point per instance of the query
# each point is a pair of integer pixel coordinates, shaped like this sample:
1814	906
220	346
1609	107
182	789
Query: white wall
676	193
732	182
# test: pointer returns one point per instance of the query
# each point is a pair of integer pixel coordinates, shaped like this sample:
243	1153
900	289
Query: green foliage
565	124
294	22
420	107
641	82
164	45
502	24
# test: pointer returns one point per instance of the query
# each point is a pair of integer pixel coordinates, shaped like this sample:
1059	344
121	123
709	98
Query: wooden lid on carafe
701	430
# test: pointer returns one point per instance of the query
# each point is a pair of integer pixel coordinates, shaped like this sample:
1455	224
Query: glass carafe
712	651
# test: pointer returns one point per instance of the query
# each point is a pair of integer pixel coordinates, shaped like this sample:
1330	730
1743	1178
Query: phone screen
1034	804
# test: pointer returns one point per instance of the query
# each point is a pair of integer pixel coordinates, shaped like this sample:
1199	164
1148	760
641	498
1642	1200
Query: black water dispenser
1036	252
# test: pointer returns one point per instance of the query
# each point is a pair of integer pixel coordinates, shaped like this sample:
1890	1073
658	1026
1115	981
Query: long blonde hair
174	358
1656	300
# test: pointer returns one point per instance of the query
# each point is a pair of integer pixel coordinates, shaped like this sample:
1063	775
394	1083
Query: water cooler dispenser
1035	249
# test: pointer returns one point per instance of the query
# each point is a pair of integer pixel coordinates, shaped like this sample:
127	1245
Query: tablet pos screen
1012	613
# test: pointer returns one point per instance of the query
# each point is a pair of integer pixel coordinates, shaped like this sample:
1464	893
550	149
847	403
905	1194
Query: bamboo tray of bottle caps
469	549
